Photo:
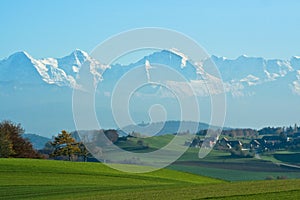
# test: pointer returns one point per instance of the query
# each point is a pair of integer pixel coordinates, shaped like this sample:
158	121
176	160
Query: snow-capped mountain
22	68
242	74
239	75
40	90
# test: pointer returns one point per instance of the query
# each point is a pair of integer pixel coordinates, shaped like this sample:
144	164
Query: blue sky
224	28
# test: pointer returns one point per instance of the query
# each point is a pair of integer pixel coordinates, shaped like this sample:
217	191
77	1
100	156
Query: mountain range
237	74
38	92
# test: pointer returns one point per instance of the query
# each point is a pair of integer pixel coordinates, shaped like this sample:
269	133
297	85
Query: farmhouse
230	143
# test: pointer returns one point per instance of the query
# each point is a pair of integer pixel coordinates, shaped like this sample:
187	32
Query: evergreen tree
65	145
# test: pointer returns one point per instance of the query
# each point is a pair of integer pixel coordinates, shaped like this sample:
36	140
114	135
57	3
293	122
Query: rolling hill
44	179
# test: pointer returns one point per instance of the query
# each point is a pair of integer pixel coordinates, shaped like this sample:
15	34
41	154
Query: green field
220	164
46	179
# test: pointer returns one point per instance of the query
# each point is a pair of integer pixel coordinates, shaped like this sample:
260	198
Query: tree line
13	145
64	146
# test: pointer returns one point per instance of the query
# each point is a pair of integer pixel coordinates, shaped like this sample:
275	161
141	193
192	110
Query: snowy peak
71	63
18	58
77	57
20	67
20	55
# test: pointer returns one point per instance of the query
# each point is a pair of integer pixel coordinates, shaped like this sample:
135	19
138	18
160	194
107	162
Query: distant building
230	143
257	144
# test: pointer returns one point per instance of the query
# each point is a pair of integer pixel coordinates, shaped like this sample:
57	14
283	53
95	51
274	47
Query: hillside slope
44	179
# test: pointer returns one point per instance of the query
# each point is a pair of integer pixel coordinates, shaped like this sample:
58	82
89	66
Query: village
250	142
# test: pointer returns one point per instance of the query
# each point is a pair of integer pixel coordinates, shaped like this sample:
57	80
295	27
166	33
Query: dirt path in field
257	166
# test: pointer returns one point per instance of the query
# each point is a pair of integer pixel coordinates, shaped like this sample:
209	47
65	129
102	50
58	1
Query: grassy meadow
48	179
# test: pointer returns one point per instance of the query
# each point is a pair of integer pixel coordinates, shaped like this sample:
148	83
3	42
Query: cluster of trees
12	144
277	130
237	132
252	133
241	132
270	131
63	146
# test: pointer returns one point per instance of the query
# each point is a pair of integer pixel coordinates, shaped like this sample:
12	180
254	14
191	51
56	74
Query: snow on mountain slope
296	84
23	68
244	72
71	63
240	68
203	83
239	75
295	62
